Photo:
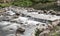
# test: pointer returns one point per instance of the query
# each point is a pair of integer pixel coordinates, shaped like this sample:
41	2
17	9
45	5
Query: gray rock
20	30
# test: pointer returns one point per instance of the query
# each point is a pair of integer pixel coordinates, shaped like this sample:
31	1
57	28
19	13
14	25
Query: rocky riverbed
17	21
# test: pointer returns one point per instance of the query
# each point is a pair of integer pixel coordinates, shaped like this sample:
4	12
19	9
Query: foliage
5	5
43	1
45	6
37	32
23	3
26	3
55	31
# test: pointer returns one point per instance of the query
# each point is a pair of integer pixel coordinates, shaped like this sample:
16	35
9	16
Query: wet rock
52	12
50	27
42	27
6	18
20	30
17	14
44	33
31	10
58	13
59	24
45	11
2	10
10	13
40	12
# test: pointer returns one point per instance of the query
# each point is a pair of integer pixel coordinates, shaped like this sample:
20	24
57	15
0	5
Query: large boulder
20	30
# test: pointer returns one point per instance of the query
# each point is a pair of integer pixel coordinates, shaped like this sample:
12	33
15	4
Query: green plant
5	5
54	31
23	3
43	1
37	32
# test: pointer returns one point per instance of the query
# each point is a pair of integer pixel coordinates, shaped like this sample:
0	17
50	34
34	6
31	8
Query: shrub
5	5
23	3
43	1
